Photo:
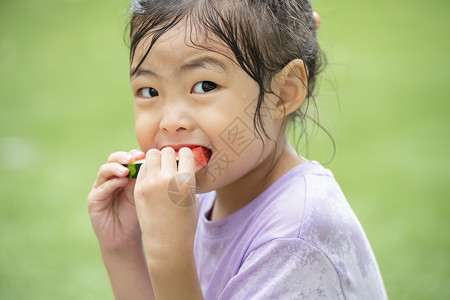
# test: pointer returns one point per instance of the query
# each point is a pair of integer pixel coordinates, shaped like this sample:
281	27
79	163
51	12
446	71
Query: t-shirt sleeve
285	269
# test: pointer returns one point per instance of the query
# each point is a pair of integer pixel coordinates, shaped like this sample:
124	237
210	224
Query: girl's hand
111	204
166	204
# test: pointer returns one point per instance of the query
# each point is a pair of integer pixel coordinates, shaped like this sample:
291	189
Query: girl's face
187	96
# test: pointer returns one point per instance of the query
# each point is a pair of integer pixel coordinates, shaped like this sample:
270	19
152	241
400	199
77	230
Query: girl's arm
128	274
167	210
175	278
113	215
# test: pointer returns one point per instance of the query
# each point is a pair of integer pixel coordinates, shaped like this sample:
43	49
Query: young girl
215	84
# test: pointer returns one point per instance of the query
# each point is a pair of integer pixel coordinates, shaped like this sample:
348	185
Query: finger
152	161
137	154
181	189
187	162
168	161
107	171
121	157
108	187
100	198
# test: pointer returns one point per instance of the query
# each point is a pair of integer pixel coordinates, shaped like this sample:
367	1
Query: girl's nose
176	120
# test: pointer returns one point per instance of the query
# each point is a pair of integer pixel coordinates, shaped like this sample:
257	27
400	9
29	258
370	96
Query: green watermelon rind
134	169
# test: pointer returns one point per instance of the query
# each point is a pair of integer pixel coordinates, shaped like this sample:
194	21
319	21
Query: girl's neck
236	195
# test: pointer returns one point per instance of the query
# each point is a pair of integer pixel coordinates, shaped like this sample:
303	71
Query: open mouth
202	155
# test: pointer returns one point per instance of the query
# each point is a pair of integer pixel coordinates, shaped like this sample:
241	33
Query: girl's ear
290	84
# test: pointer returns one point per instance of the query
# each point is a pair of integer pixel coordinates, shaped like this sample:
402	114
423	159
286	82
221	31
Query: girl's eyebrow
207	63
142	72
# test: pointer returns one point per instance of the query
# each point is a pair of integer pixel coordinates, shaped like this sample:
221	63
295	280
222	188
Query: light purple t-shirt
299	239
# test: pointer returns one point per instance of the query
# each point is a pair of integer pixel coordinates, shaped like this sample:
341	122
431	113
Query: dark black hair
263	35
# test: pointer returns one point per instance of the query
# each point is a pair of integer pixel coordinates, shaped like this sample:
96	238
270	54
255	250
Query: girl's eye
148	92
203	87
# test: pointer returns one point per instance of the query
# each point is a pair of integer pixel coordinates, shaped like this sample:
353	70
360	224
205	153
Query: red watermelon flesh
201	157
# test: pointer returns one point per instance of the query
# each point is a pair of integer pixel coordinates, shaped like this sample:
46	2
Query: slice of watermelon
201	159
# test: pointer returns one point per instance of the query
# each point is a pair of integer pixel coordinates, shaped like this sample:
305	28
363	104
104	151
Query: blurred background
65	104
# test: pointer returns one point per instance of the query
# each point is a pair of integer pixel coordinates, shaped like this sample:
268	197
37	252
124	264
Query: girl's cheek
145	135
145	140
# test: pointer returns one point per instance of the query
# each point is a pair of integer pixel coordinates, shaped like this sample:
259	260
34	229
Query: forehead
179	42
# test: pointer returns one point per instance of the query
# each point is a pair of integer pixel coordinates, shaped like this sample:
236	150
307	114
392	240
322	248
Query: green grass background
65	104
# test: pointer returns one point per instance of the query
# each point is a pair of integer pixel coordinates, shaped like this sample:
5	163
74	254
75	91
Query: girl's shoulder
295	199
315	205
